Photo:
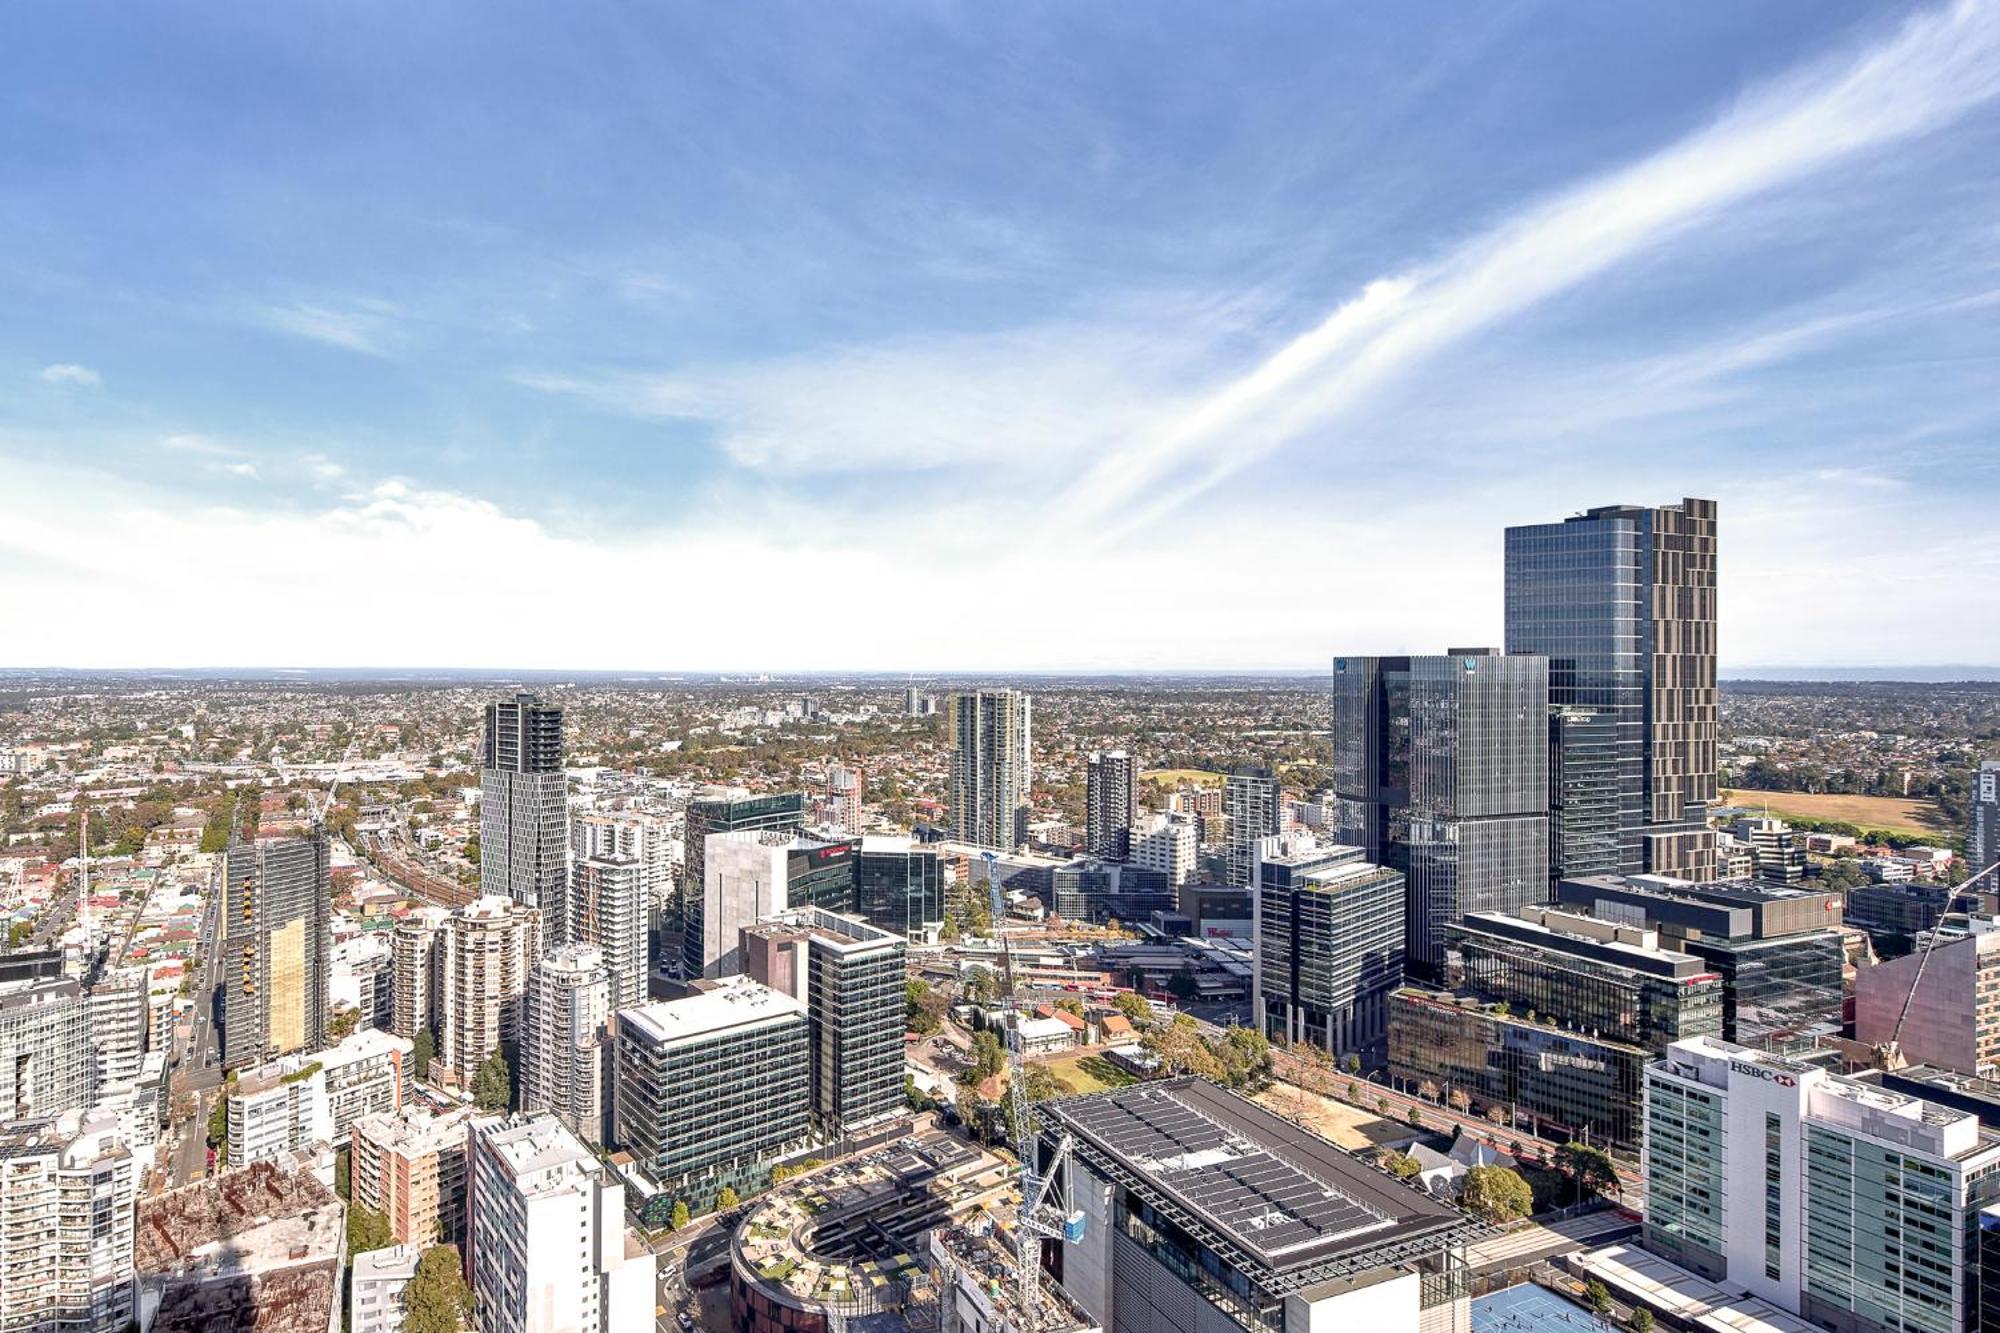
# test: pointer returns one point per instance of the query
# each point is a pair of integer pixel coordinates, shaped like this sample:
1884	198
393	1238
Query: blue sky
934	335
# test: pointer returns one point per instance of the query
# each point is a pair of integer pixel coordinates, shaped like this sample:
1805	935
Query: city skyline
964	298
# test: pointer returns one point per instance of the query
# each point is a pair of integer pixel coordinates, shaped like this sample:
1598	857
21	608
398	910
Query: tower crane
1890	1053
1039	1219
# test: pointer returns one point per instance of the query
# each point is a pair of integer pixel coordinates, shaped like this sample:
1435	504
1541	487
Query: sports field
1174	777
1888	813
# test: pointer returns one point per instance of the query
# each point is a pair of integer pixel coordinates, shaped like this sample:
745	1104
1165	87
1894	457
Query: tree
1042	1084
1497	1194
1459	1100
981	985
1183	987
989	1057
425	1050
923	1007
472	849
1589	1167
436	1299
493	1085
1352	1064
1069	1004
915	1097
1496	1114
727	1199
1403	1166
1600	1299
1415	1117
1137	1009
679	1217
218	1124
367	1230
1180	1050
1381	1106
1641	1321
1428	1090
341	1026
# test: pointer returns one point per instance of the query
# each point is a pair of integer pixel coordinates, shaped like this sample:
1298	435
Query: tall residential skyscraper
1441	771
414	954
277	945
46	1063
1255	810
1621	600
727	812
564	1055
1982	846
1111	804
66	1247
523	815
609	911
483	965
546	1248
992	748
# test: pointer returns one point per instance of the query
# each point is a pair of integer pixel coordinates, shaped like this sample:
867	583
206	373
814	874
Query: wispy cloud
68	372
368	326
189	443
1936	67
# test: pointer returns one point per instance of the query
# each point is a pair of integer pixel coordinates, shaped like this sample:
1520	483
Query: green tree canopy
426	1050
1497	1194
492	1087
1135	1007
437	1300
367	1230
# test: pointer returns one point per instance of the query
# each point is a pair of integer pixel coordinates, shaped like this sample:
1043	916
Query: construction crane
1889	1055
1039	1219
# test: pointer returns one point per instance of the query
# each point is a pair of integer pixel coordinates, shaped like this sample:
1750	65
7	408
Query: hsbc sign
1760	1071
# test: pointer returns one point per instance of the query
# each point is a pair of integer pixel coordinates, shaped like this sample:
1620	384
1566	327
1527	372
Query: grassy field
1174	777
1086	1073
1889	813
1348	1126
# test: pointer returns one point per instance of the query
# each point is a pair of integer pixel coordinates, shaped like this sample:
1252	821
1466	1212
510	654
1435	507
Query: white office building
547	1246
1834	1199
744	879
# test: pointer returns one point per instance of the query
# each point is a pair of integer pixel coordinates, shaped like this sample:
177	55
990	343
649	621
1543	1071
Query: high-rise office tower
46	1063
66	1247
899	884
992	749
564	1039
1252	803
1329	945
849	975
1621	600
609	910
1441	771
523	814
483	965
277	945
414	953
1982	847
711	1088
1111	804
546	1248
727	812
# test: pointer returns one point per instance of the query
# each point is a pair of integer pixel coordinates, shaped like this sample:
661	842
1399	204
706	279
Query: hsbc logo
1759	1071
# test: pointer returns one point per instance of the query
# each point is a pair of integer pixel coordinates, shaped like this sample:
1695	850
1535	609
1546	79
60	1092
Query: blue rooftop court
1528	1308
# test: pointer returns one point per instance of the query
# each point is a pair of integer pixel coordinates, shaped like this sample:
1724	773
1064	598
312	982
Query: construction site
256	1250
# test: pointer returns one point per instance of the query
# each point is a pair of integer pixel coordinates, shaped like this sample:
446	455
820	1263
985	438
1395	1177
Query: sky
928	336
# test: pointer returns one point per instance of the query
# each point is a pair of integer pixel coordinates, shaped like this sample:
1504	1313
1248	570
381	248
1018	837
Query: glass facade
1588	1088
1686	1146
1440	771
1329	953
1884	1235
899	888
1585	986
1096	892
1621	600
855	999
1777	991
725	815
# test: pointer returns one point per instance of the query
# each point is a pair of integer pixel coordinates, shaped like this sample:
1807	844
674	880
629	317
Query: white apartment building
488	948
1167	844
564	1043
547	1246
68	1190
1844	1203
609	910
301	1101
375	1292
414	952
645	837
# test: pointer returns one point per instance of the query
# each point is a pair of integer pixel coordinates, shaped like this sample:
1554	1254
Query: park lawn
1891	814
1084	1072
1174	777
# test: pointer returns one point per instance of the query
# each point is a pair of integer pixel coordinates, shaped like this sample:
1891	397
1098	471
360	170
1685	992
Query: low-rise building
375	1290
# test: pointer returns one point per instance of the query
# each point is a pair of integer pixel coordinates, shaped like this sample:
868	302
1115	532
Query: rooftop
249	1251
735	1003
1292	1204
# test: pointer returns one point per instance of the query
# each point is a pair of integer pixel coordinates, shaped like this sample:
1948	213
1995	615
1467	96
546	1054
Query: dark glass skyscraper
1111	804
723	814
1621	600
1440	771
277	942
523	810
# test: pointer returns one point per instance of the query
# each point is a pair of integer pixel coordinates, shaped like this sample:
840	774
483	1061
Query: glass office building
735	813
1329	947
1440	771
899	885
1621	600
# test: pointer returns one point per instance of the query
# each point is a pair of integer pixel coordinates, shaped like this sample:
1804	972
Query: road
201	1062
